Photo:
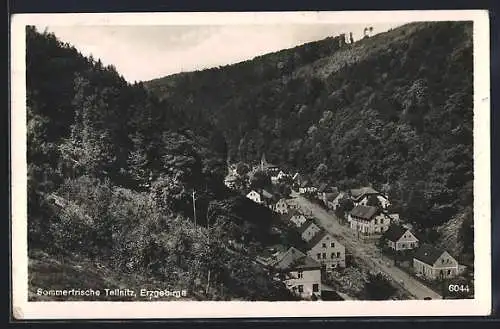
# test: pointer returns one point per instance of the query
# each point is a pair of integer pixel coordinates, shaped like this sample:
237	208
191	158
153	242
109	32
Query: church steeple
263	161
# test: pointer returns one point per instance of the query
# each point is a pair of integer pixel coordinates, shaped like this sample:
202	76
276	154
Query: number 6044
458	288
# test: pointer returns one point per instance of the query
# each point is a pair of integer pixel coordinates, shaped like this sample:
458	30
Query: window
332	244
332	256
338	254
324	255
318	255
442	261
300	274
324	245
315	287
301	288
449	272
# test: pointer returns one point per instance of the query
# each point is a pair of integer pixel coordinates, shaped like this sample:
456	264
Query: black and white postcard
210	165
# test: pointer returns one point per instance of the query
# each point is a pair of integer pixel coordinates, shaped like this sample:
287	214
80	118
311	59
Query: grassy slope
67	272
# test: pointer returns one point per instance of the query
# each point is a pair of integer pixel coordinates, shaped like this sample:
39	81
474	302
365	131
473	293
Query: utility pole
194	208
208	233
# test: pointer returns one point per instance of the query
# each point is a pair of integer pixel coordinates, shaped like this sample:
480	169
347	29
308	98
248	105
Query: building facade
254	196
308	230
399	238
299	273
326	250
433	263
368	220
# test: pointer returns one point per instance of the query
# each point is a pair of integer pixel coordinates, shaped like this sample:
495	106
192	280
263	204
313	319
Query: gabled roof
266	194
294	259
253	191
302	228
331	196
394	232
322	187
428	254
316	239
359	192
364	212
305	183
290	214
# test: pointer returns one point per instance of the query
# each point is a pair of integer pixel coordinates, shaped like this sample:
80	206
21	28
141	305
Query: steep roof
290	214
305	183
331	196
359	192
365	212
253	191
428	254
316	239
294	259
322	187
302	228
266	194
394	232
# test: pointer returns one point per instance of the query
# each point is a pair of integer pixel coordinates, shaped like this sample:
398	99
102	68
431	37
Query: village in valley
345	237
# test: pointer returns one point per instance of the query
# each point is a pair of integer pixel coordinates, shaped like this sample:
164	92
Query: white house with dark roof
308	230
334	203
368	220
307	187
281	207
399	238
434	263
361	196
254	196
300	273
296	217
327	250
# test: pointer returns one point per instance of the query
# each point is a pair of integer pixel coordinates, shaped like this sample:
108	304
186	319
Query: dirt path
366	251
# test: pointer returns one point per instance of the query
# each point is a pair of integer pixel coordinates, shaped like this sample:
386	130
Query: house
306	187
230	181
297	178
300	273
333	204
279	177
281	207
324	248
362	195
308	230
254	196
434	263
267	167
368	220
399	238
296	217
394	218
267	197
325	191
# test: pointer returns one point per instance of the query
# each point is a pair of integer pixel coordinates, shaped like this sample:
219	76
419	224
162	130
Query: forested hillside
393	110
112	176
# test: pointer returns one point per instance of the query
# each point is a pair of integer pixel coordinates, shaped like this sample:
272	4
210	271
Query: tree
260	180
242	168
378	287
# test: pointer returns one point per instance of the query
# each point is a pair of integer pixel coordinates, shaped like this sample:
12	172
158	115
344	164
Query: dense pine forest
393	110
111	176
